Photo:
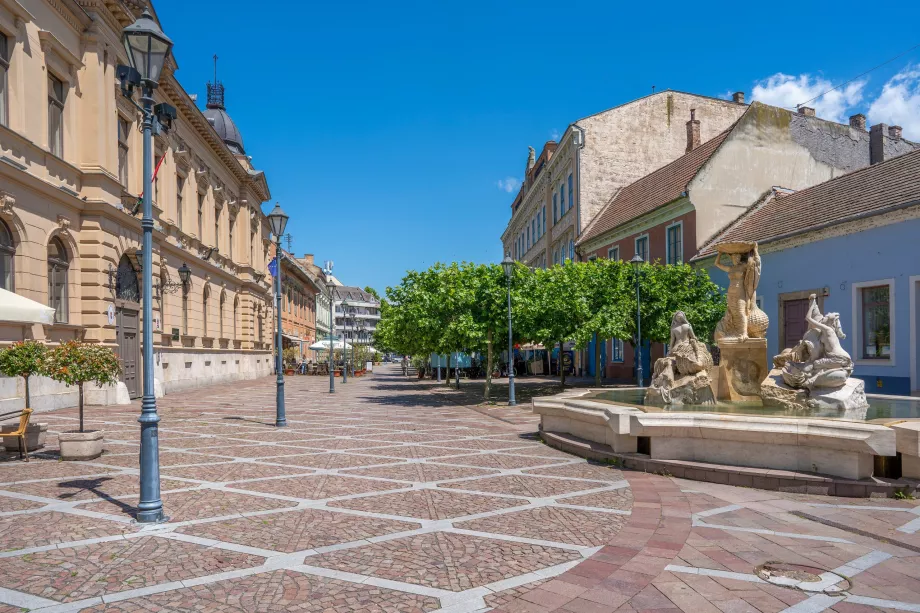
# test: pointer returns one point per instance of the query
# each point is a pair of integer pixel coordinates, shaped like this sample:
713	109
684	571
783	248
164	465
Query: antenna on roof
289	240
215	68
653	87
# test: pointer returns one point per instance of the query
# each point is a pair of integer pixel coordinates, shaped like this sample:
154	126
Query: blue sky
388	130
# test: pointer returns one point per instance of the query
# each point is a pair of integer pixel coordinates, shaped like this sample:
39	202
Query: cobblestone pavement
395	497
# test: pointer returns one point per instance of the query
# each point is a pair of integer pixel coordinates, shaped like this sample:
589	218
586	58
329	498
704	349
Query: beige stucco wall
770	147
630	141
78	197
621	145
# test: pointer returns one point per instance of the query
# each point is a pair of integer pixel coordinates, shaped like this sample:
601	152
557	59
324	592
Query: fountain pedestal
742	369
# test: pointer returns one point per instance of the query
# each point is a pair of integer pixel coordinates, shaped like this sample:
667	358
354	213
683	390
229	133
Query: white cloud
509	184
555	135
787	91
899	102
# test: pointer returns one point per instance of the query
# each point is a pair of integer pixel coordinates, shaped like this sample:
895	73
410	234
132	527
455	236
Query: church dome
220	120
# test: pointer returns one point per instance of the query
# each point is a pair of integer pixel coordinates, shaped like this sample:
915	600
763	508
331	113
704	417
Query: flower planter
35	437
81	445
289	371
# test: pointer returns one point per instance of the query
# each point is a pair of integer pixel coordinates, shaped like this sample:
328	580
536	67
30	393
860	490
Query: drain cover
802	577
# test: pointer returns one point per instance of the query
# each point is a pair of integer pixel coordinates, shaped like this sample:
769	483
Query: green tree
23	359
76	363
551	306
370	290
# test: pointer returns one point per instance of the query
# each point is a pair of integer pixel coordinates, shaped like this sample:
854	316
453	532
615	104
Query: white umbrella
14	307
324	345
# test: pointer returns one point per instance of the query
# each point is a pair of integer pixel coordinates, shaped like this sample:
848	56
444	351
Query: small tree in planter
75	364
23	359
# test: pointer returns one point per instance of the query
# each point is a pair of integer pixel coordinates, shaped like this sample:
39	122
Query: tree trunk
80	387
447	374
561	366
597	361
28	400
488	390
457	369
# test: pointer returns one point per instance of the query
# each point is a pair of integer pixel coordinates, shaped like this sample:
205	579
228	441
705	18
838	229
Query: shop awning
19	309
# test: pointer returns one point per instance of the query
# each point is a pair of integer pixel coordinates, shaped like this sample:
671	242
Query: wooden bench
20	432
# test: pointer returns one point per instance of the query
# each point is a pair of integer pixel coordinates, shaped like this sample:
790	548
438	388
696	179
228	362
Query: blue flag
273	267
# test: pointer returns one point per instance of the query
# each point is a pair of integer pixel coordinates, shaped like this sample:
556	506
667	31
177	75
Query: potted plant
24	359
289	357
76	363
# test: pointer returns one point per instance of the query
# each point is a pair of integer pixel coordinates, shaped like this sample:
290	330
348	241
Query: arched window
220	314
204	309
126	286
7	251
236	312
58	263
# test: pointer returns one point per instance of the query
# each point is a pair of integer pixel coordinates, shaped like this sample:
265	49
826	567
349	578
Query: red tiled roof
867	191
653	190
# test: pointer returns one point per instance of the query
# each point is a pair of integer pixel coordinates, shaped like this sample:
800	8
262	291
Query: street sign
110	312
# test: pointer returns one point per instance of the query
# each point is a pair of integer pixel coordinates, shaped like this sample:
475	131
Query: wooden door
794	324
128	348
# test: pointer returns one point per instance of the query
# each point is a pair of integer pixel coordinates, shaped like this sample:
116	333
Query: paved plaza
392	496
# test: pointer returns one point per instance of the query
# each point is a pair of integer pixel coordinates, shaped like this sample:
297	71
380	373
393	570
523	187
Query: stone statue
531	157
818	359
742	319
681	377
815	374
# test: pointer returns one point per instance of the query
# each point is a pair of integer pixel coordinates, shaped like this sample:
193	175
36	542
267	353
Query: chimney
858	121
877	134
894	132
693	132
738	97
807	111
307	259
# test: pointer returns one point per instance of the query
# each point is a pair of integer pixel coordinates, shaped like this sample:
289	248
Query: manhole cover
802	577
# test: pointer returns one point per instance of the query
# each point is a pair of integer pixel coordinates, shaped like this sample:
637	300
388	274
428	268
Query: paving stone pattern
395	497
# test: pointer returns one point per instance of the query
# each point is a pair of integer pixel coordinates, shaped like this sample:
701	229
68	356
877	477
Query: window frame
642	237
202	196
616	351
614	250
857	326
124	149
181	181
61	311
5	59
571	198
56	105
667	242
8	251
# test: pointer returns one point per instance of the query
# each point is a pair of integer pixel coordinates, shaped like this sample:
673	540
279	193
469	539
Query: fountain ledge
841	455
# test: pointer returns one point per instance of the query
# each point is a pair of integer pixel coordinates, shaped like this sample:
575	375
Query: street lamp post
330	287
148	49
278	219
345	341
508	266
637	263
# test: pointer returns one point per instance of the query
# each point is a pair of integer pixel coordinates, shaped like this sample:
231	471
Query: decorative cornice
51	43
78	20
20	13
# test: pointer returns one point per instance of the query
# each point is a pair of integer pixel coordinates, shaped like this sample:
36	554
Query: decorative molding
20	13
7	201
51	44
63	222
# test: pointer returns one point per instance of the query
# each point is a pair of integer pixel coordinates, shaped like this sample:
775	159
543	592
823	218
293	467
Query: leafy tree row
463	306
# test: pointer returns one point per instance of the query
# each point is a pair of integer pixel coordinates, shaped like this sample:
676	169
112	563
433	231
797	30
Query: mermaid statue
742	319
681	377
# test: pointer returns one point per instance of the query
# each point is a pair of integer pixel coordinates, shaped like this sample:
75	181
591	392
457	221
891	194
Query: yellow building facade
70	233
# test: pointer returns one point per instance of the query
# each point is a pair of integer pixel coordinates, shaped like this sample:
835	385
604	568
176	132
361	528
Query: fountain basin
739	434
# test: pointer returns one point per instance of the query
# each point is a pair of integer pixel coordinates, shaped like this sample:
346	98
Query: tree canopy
463	306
